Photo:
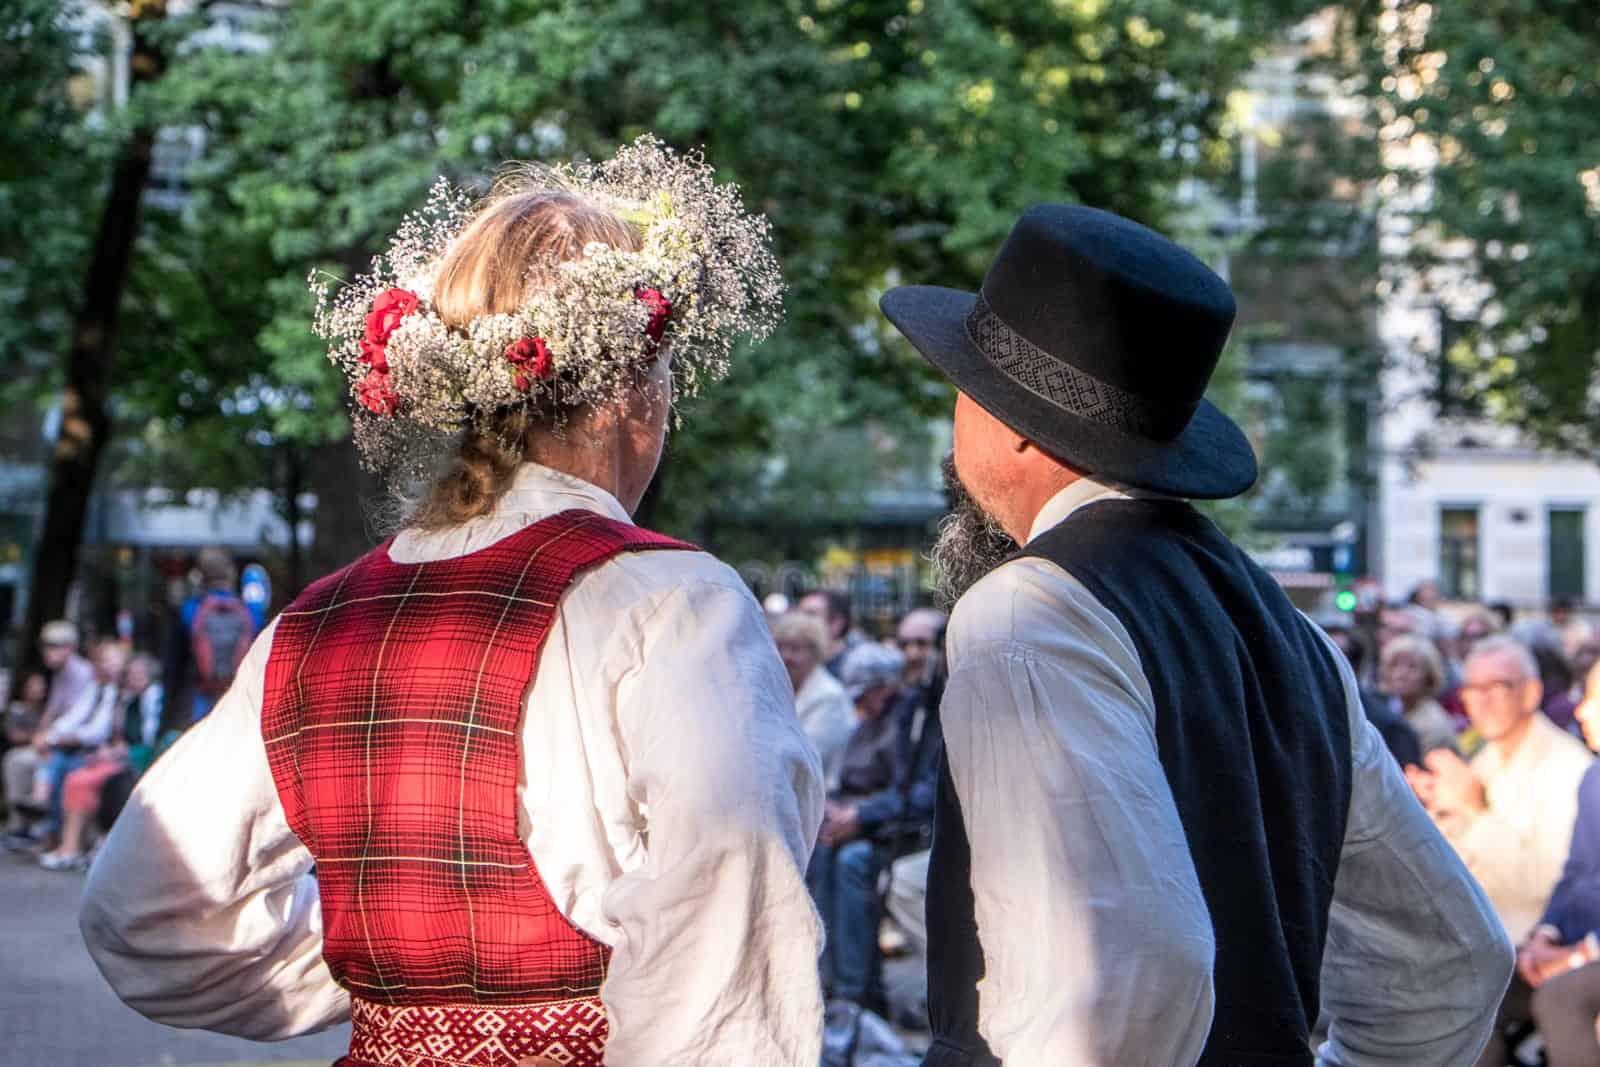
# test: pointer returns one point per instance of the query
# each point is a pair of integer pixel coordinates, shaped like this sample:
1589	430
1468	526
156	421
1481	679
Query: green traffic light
1346	600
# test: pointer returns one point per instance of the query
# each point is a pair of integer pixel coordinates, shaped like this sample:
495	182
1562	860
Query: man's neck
1032	501
1507	744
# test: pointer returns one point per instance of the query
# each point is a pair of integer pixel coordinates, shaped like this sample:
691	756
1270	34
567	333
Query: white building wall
1428	463
1514	492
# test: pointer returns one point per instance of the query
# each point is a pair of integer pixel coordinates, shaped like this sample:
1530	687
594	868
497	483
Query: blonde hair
798	626
509	249
1422	651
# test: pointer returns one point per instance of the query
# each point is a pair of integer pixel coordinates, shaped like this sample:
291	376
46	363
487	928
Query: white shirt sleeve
715	939
87	722
102	721
1416	961
1097	944
200	909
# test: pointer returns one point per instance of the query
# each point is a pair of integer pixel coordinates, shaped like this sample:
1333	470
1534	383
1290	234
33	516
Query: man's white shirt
1518	845
668	797
90	720
1097	943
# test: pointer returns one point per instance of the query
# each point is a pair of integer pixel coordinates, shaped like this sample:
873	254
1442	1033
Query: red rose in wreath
375	354
531	357
377	395
660	311
388	309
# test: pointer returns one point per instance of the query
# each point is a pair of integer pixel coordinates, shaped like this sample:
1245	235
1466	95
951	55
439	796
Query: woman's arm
201	909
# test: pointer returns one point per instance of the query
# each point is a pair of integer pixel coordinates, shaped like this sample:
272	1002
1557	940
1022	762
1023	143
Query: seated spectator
831	607
884	799
128	753
26	713
1509	813
1398	736
27	790
1555	674
70	741
1478	623
1581	642
819	700
1411	674
925	677
1558	983
918	638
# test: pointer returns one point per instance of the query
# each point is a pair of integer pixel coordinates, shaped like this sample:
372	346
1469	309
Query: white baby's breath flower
700	250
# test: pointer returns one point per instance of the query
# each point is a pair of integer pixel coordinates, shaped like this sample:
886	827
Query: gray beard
970	543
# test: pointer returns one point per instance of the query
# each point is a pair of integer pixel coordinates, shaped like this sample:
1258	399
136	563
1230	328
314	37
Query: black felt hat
1094	337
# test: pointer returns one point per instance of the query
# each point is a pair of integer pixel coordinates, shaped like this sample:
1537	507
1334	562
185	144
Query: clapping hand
1540	959
840	823
1448	785
1455	787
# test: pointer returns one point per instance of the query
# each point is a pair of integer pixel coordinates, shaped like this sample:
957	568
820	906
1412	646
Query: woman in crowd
823	706
1411	673
27	710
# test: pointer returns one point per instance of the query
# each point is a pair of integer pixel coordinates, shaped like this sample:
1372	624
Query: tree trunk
343	520
293	485
85	419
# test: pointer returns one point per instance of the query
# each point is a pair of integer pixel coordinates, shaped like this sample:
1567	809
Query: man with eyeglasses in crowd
920	638
1509	812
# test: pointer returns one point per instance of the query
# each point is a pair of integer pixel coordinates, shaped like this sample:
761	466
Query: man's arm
1097	943
1416	960
716	940
1574	908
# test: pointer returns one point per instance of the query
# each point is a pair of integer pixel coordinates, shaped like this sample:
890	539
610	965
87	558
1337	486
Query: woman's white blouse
669	799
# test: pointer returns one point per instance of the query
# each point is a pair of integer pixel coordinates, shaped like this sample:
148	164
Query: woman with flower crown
524	784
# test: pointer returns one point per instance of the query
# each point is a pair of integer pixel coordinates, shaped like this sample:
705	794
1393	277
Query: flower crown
703	276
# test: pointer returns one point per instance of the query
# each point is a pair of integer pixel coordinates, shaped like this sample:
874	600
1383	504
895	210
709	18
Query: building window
1458	553
1566	553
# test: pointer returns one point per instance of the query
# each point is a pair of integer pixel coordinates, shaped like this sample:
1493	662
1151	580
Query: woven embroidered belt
568	1032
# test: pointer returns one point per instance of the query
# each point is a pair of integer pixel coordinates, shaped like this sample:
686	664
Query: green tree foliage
1489	114
50	163
889	141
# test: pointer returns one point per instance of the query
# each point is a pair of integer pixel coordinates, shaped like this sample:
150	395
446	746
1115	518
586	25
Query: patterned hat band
1064	386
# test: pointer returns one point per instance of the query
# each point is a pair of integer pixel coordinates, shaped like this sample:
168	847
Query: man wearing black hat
1166	832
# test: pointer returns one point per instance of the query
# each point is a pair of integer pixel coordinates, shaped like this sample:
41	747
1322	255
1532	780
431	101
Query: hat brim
1210	460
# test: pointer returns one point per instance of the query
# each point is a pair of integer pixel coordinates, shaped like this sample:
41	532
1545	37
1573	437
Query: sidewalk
56	1009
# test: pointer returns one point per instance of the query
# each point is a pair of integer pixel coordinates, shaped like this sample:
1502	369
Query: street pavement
56	1010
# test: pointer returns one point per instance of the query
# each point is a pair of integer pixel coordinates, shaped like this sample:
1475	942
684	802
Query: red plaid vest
392	710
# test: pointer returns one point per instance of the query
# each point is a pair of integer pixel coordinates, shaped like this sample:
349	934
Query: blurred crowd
82	727
1485	712
1487	715
871	709
1492	718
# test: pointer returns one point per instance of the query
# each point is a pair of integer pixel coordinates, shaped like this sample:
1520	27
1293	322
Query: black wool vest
1253	734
